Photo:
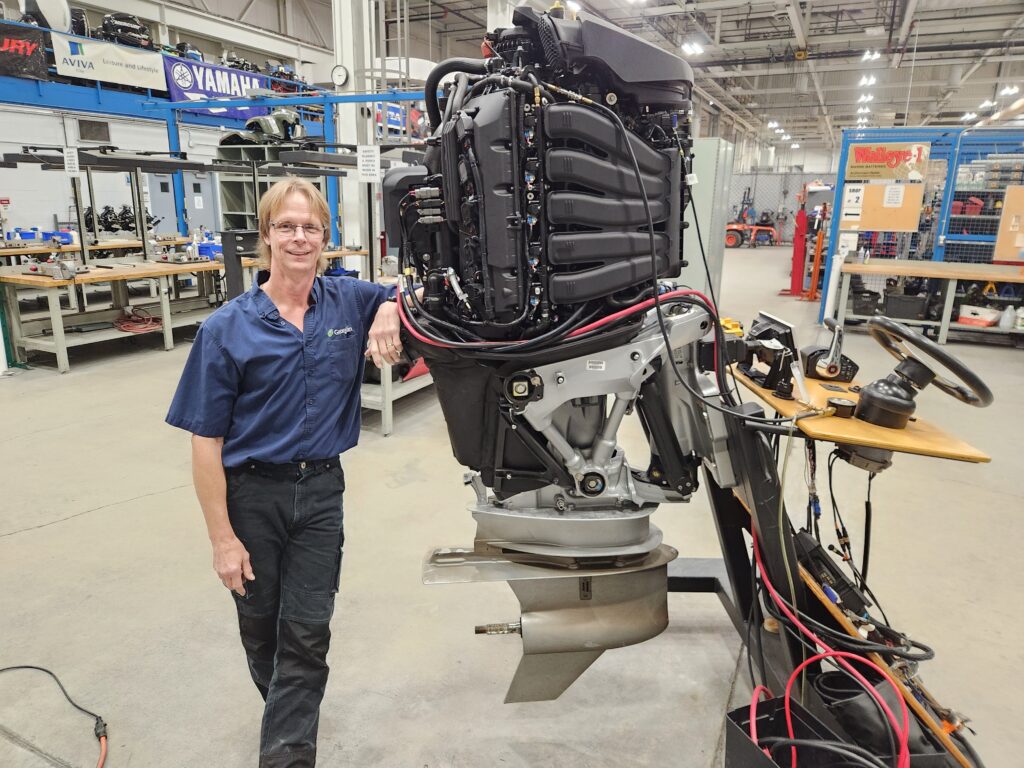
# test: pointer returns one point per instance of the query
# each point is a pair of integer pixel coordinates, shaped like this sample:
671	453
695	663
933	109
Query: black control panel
810	357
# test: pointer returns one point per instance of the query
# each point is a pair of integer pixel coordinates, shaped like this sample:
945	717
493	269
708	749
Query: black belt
285	471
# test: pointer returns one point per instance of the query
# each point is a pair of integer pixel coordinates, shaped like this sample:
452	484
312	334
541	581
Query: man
270	393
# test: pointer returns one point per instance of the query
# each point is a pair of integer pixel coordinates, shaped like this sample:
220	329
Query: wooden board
346	252
919	436
876	217
108	245
1010	239
997	273
132	271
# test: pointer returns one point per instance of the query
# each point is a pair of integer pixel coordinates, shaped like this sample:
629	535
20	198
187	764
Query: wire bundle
139	321
843	658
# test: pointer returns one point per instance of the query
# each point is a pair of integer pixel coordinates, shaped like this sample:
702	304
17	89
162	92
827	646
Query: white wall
813	159
39	198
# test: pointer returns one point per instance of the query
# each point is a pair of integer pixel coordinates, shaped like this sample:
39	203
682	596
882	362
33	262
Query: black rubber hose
505	82
472	66
458	95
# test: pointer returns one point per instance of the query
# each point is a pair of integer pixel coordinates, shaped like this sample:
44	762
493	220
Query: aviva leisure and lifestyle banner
107	62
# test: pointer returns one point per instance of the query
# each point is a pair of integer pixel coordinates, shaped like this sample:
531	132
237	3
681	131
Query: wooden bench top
997	273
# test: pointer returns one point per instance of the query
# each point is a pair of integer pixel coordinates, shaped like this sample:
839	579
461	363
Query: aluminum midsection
619	372
695	423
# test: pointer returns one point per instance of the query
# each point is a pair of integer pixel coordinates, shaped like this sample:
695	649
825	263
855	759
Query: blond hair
273	201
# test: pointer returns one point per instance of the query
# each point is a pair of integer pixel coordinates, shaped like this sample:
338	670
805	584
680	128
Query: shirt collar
266	307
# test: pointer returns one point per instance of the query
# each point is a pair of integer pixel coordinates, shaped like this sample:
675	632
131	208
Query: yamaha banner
196	80
22	52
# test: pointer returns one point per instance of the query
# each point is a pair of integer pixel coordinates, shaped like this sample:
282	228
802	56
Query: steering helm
889	402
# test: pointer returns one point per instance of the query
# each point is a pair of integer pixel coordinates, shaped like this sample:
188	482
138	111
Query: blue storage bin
210	250
64	237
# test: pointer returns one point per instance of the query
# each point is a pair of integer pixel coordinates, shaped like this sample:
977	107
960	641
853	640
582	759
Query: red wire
596	324
753	713
650	303
902	735
636	308
409	327
139	321
853	657
103	752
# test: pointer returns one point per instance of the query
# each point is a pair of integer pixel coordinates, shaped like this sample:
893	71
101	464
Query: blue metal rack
957	147
173	109
98	98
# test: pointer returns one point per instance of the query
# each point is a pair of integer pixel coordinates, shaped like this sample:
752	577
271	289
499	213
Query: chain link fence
754	194
988	166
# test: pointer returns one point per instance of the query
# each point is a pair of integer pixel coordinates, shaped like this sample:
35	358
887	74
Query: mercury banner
106	62
896	162
22	52
195	80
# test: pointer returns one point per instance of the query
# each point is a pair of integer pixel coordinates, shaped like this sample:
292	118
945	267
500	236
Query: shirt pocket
344	353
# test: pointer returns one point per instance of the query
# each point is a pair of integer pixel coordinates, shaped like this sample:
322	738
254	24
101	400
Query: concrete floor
105	578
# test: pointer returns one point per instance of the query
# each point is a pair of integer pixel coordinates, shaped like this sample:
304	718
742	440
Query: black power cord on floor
99	727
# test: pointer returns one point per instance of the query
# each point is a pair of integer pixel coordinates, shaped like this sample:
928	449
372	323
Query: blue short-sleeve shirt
274	393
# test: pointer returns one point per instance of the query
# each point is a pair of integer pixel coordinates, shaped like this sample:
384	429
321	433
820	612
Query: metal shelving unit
968	175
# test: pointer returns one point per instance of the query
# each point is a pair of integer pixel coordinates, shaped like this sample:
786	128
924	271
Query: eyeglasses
287	229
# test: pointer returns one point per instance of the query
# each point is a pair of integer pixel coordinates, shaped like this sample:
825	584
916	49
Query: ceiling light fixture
987	103
693	49
786	137
779	130
1010	90
863	110
794	145
573	6
773	124
866	80
870	56
968	116
865	97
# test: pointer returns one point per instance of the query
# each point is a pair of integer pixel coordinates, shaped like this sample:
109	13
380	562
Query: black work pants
289	518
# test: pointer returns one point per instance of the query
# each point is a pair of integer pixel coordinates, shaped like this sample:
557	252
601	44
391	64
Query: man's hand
384	345
231	562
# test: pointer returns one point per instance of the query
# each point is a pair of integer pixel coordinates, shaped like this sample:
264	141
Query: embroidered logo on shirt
346	331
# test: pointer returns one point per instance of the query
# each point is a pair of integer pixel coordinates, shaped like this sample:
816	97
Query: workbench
952	273
12	251
26	335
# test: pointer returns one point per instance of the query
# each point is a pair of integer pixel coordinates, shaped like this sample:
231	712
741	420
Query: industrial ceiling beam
985	57
314	25
850	66
800	36
904	35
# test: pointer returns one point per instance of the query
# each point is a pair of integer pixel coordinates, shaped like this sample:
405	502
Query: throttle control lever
829	363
